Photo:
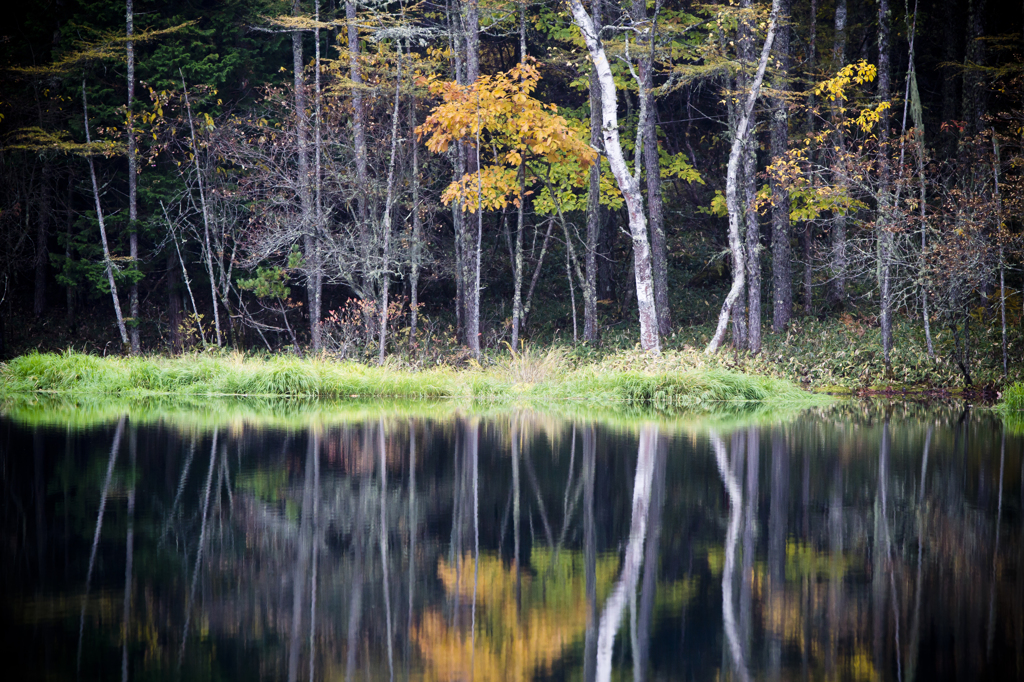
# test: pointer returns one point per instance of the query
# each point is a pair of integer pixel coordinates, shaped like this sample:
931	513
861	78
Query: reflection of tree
626	584
239	535
99	529
732	488
510	644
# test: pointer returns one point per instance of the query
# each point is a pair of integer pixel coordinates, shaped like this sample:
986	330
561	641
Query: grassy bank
1013	398
672	381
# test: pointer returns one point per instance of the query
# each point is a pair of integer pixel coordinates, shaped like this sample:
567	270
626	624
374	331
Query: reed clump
1013	397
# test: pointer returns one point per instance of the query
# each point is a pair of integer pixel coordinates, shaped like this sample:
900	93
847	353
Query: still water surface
851	543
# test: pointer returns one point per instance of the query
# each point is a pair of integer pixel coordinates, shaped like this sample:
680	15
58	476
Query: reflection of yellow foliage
510	645
803	560
807	593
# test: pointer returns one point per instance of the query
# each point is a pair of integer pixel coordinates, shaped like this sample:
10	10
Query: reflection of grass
1013	420
265	485
206	413
192	413
657	383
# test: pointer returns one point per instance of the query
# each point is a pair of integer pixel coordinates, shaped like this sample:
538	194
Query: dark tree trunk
753	247
42	256
133	202
738	251
808	235
837	285
310	252
606	236
414	242
652	166
950	73
473	226
782	272
974	93
173	303
70	291
590	288
753	228
884	236
358	133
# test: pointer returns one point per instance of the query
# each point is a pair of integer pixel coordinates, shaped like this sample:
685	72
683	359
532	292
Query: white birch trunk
742	133
628	184
103	228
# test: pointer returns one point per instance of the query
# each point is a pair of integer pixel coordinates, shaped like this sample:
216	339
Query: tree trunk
417	226
536	272
474	224
42	256
590	326
385	275
70	290
108	266
739	312
652	166
133	203
782	267
743	120
517	264
753	247
173	304
358	136
628	184
917	116
885	200
999	239
207	246
312	266
316	266
974	105
950	72
837	285
753	232
808	275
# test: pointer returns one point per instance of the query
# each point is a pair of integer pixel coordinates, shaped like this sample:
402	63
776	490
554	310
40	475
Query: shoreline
523	379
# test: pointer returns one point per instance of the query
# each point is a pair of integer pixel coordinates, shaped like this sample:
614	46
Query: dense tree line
340	176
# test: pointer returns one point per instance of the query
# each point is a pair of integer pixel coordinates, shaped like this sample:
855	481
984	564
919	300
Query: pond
290	541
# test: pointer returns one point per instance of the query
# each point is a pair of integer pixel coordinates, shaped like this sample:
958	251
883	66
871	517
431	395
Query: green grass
671	382
1013	397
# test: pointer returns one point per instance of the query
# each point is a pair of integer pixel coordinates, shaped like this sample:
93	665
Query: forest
420	181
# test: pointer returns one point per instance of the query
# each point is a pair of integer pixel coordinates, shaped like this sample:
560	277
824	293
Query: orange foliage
503	113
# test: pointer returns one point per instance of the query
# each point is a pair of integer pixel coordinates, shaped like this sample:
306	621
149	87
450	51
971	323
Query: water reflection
857	542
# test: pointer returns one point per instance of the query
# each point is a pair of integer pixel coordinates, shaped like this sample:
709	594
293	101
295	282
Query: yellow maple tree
501	112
